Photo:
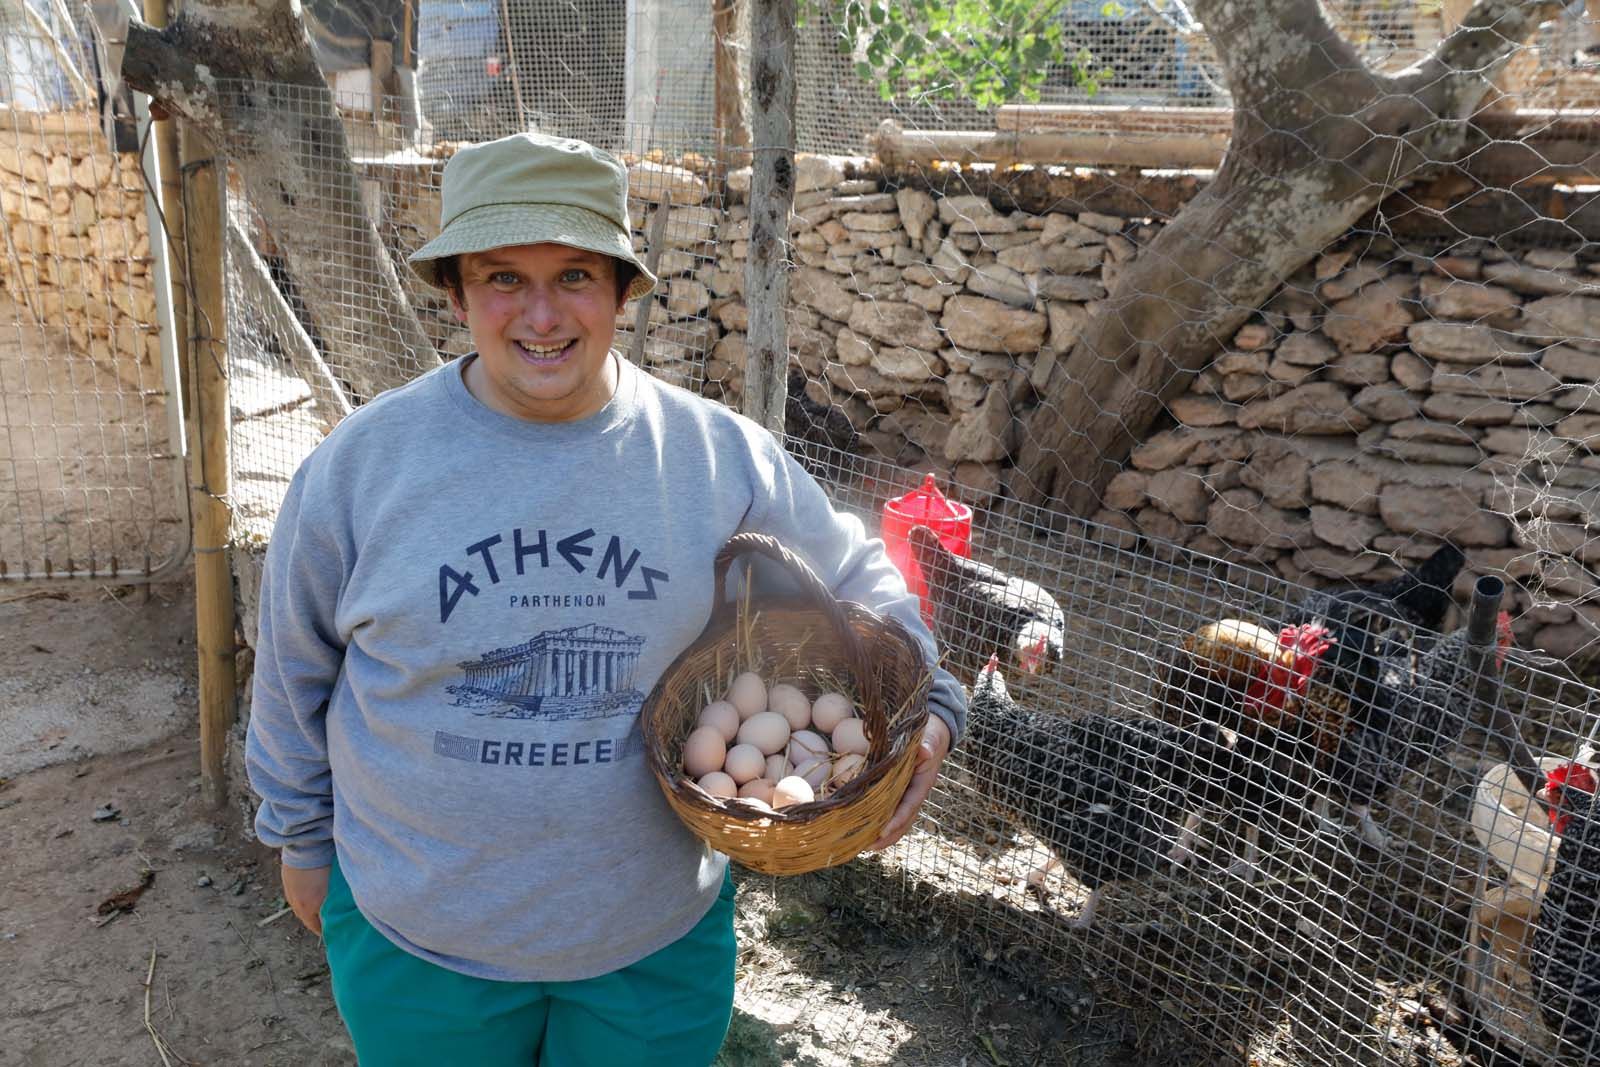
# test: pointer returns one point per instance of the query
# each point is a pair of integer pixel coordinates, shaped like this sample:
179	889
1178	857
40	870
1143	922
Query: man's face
542	319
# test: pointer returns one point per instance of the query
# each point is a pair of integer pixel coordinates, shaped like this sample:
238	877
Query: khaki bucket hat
529	189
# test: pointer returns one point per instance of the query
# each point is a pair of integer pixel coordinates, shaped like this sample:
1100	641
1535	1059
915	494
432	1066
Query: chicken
1100	791
978	608
819	436
1300	694
1566	942
1421	705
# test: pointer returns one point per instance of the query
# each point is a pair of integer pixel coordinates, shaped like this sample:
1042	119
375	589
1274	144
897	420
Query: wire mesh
1367	880
91	468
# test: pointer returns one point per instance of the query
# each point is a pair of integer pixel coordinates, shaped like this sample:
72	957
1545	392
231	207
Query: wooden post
208	455
766	278
733	133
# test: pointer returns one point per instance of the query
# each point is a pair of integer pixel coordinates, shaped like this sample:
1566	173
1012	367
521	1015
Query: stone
1253	336
1066	229
870	221
1280	370
1579	398
1572	364
1281	475
1038	257
1067	287
853	350
1474	302
1428	452
949	264
1163	526
928	430
1526	444
1563	538
984	434
1318	408
894	322
1351	282
917	209
1000	282
1461	342
1126	490
965	390
1242	363
687	297
1347	486
1329	563
1114	529
985	325
1496	382
1535	282
658	182
1180	491
813	172
1066	325
1468	410
1374	317
817	289
1572	320
974	214
1447	513
874	202
1101	223
734	316
1242	388
1305	349
909	364
1582	429
693	229
1348	530
1192	410
1240	516
1411	371
1163	450
1360	369
1429	430
1574	641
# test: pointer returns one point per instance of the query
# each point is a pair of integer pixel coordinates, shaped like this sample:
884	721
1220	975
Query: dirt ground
101	796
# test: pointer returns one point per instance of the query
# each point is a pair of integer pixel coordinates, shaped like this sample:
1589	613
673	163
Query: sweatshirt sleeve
797	512
298	658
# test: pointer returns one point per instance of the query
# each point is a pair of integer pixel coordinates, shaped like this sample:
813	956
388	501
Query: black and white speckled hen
978	609
1100	791
819	436
1566	943
1421	705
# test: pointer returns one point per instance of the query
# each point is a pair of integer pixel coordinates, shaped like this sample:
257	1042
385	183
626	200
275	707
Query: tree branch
1471	54
1269	47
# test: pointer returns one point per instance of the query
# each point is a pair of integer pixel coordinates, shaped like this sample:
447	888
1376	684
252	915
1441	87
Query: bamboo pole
771	197
208	456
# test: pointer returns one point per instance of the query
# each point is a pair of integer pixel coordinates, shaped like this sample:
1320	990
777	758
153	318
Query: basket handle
811	586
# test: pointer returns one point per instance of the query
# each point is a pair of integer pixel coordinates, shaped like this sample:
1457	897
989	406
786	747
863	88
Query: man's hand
304	890
931	752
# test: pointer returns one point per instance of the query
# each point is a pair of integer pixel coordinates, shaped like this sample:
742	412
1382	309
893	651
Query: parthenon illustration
579	672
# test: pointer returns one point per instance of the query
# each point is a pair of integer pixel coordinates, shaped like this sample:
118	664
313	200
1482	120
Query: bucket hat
533	188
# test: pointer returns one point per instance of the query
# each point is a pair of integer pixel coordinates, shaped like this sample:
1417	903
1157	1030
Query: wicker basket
816	640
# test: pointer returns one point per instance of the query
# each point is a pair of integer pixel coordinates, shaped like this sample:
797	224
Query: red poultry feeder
925	506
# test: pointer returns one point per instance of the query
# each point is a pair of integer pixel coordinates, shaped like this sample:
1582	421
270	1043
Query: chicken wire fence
91	449
1423	379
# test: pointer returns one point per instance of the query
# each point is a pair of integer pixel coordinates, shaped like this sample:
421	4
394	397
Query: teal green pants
671	1009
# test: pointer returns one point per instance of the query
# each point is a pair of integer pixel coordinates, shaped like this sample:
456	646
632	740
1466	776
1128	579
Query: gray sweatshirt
461	614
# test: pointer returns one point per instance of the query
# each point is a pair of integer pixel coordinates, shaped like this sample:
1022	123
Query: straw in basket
824	643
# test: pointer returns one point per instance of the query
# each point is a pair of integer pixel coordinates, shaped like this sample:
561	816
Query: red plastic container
925	506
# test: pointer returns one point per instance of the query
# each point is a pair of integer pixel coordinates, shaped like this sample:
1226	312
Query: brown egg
724	716
745	763
704	751
719	785
749	694
792	790
850	736
791	703
830	710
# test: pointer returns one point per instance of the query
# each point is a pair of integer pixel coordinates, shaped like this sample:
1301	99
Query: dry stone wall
77	254
1385	399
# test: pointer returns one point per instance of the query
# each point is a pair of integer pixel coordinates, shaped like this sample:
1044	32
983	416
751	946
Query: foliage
989	51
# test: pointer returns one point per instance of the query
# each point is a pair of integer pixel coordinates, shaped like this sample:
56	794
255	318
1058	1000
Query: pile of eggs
775	747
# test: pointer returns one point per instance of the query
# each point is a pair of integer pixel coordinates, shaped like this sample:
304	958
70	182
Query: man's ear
457	308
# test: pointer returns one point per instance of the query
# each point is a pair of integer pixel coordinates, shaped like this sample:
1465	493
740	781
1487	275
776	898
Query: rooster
1566	942
1300	694
1100	791
978	608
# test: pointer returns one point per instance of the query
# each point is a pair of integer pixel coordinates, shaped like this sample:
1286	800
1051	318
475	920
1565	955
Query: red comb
1575	775
1272	686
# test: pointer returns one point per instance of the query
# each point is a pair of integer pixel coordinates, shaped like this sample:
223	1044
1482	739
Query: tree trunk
243	72
1318	140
